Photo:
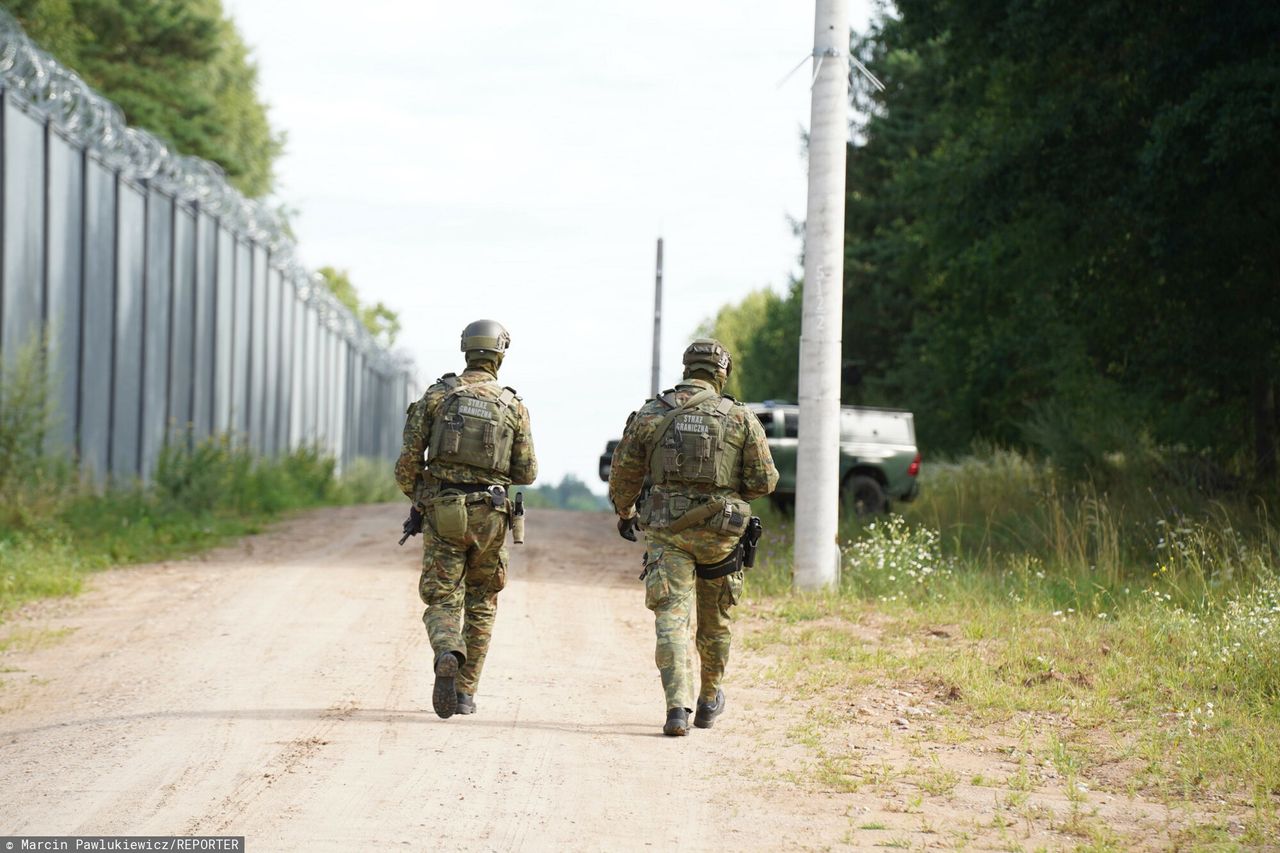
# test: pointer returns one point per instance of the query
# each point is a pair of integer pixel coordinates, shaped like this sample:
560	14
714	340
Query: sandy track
280	689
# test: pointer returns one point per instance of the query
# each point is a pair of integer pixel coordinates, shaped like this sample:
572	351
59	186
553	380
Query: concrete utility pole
657	325
818	453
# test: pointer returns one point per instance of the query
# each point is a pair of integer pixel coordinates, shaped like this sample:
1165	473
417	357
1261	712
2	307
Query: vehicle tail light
914	468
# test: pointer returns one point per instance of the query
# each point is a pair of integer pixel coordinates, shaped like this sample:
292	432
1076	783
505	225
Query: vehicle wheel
864	496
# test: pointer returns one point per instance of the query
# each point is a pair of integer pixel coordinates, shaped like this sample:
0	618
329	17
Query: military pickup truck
879	461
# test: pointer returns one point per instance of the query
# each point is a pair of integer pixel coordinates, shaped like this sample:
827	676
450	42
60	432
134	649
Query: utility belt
743	555
677	513
449	504
476	492
721	513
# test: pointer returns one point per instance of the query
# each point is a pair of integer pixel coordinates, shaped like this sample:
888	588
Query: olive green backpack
473	429
691	443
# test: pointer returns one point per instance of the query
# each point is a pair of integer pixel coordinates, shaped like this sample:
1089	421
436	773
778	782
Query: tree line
1061	231
569	493
177	68
181	70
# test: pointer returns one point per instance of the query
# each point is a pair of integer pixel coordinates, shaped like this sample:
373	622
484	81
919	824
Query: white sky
518	160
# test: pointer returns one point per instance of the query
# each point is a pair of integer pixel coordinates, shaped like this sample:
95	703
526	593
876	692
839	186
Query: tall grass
1007	526
1005	508
1003	519
25	415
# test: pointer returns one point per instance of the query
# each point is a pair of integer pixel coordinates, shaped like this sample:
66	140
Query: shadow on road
341	715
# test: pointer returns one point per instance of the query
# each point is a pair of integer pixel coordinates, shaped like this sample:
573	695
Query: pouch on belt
450	511
725	515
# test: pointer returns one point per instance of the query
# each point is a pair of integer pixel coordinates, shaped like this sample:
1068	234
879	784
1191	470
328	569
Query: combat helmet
485	340
710	355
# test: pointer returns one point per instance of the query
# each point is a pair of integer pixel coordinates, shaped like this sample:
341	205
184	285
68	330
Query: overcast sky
518	161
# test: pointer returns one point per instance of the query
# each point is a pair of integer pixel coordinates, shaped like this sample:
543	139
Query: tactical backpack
473	429
691	445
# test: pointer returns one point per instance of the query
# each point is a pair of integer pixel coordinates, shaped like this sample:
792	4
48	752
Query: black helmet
487	335
710	355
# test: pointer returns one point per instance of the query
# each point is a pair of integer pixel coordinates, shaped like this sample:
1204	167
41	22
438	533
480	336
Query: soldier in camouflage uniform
705	455
476	438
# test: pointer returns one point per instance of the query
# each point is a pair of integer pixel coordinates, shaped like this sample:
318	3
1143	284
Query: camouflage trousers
460	583
672	591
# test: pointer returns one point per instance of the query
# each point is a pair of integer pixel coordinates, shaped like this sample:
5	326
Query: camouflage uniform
671	586
462	575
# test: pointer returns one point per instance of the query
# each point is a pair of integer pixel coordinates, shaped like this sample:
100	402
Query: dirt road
280	689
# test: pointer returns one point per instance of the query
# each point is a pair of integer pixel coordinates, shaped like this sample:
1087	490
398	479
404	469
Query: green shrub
33	486
54	528
196	474
367	481
25	417
306	476
216	474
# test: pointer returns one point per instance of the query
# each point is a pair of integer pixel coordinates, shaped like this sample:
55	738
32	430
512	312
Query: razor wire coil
88	118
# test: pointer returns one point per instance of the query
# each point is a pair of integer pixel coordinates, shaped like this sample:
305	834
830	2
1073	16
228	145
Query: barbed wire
62	98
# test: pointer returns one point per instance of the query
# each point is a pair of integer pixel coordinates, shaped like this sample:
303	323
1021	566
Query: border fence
170	301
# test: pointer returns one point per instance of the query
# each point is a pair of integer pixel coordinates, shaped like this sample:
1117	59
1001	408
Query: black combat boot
708	711
466	703
444	698
677	724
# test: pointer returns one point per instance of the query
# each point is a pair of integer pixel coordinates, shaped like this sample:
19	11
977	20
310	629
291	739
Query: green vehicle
879	460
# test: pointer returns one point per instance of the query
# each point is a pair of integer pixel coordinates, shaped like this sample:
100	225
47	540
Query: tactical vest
471	429
692	444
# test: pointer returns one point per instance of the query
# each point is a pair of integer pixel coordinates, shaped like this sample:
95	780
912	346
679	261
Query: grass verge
55	529
1119	642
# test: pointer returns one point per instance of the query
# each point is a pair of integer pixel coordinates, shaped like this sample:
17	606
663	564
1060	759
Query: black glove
627	528
412	525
